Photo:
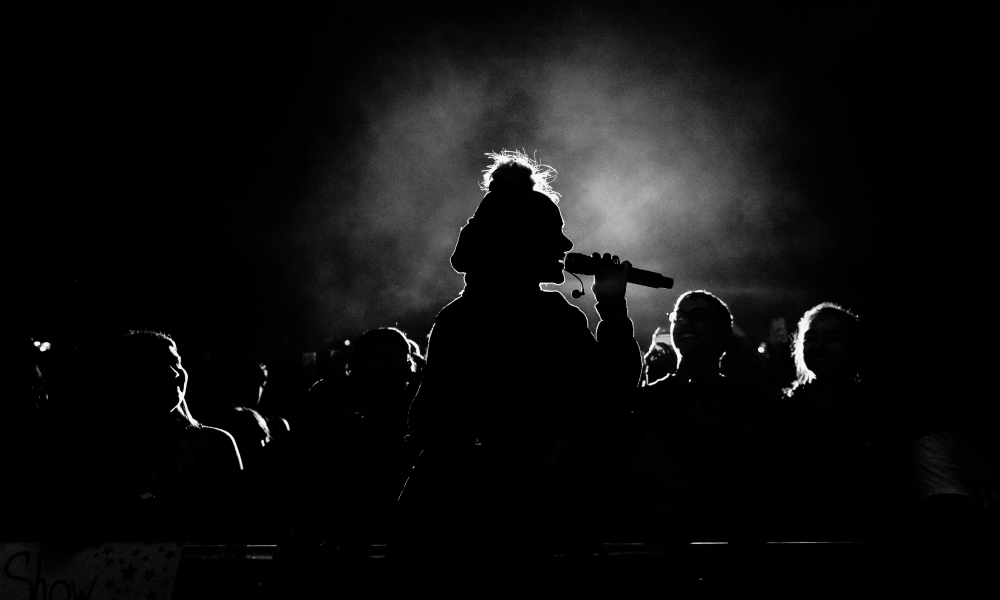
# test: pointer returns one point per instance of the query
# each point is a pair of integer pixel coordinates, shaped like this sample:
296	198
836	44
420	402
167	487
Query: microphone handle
581	264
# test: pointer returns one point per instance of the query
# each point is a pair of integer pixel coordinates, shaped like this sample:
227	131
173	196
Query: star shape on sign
128	572
135	552
160	549
109	562
151	595
145	558
171	554
108	550
149	575
109	583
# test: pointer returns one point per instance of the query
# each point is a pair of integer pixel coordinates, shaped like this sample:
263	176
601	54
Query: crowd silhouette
553	440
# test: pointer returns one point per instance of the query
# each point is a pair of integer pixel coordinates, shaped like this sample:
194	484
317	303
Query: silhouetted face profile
550	245
156	381
828	346
697	328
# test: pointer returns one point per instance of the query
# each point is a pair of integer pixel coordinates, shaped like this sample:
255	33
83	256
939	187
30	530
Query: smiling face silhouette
696	328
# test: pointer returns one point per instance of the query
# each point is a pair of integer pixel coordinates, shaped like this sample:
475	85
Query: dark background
274	176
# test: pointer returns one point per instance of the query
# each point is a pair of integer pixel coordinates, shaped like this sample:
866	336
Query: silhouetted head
827	345
243	379
154	382
517	231
381	361
700	325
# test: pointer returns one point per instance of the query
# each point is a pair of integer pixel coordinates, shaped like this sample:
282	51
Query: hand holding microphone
610	276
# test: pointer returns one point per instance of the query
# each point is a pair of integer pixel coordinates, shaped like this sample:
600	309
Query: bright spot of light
42	347
347	342
760	349
37	344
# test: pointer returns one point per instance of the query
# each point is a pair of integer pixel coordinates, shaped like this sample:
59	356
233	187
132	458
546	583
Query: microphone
581	264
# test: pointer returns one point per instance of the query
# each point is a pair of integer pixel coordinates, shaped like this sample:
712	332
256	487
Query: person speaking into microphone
516	388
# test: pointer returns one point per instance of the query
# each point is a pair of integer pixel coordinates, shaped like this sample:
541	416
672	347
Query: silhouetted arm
619	353
618	350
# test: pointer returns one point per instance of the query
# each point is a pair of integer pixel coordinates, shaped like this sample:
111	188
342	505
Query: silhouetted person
830	428
369	459
510	435
357	462
697	448
230	404
381	372
141	467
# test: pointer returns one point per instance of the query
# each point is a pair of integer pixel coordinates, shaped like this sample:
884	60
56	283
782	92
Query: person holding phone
661	359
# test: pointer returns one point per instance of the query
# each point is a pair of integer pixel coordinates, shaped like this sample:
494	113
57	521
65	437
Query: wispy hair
514	168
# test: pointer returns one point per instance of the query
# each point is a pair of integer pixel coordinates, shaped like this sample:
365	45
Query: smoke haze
665	157
300	176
